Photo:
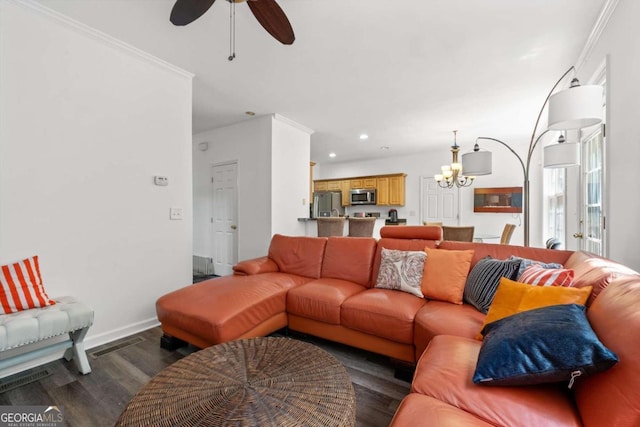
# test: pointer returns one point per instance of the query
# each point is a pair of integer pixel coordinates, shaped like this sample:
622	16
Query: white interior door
438	204
225	218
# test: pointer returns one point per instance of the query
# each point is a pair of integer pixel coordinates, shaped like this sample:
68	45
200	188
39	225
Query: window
593	239
554	190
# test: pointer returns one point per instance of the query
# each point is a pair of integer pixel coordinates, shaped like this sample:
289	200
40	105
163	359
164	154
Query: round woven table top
255	382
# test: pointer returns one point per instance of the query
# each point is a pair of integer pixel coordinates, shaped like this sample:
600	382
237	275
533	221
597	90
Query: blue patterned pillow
543	345
484	278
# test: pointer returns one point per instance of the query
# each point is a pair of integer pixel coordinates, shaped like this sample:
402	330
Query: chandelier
451	175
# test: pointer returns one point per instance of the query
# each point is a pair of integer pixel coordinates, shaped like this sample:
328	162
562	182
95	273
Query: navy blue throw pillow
484	278
544	345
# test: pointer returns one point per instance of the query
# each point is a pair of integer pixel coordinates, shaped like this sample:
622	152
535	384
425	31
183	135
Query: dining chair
460	234
431	223
330	226
361	227
507	232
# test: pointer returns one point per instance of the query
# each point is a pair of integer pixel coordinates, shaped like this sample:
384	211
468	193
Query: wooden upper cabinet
382	185
334	185
369	183
363	182
391	188
346	195
396	190
321	186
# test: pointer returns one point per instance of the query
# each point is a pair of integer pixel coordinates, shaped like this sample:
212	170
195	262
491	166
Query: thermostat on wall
161	180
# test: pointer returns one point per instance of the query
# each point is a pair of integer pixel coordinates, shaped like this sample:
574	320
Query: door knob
233	227
578	235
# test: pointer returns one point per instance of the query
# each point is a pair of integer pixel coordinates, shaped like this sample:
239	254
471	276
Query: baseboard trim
89	342
92	341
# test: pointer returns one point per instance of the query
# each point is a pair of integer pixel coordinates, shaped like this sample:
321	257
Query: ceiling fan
267	12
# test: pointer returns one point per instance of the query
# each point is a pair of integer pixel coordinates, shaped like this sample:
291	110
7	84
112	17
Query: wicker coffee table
256	382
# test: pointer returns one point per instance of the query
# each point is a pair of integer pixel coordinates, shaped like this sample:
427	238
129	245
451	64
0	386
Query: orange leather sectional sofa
325	287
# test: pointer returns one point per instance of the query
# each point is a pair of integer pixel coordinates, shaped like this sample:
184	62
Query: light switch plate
175	214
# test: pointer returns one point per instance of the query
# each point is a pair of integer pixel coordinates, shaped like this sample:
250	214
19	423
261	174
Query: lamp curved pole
525	174
532	145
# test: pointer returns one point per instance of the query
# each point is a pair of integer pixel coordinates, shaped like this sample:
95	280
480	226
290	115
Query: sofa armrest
255	266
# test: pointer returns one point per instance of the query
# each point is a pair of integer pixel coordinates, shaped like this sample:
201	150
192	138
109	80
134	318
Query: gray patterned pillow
401	271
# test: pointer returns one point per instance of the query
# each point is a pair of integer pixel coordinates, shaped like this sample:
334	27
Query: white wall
622	49
506	173
272	154
291	149
249	144
85	124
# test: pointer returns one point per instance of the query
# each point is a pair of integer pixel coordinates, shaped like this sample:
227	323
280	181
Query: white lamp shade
576	107
476	163
562	155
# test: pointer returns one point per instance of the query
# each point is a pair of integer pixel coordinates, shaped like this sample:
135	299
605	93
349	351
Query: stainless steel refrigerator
327	203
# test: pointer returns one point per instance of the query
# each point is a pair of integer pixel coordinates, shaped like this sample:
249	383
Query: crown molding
291	123
100	36
596	32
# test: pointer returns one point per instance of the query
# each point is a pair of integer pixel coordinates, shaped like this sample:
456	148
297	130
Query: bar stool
330	226
361	227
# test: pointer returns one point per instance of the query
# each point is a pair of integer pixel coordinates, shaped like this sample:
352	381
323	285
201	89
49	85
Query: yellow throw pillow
515	297
445	274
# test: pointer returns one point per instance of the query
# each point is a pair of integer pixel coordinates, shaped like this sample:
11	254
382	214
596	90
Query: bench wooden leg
77	351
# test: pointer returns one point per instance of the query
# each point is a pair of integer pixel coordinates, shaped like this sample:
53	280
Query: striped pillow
484	278
21	287
526	262
540	276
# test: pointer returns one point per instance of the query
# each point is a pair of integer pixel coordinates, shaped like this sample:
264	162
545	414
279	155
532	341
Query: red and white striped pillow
539	276
21	287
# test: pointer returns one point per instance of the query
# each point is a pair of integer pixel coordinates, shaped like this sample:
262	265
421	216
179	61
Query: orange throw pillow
515	297
445	274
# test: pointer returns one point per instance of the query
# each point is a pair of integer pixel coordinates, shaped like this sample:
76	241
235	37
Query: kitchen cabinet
346	195
334	185
390	188
396	190
321	186
382	185
363	183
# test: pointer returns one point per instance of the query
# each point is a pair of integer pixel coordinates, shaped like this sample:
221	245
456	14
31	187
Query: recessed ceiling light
384	147
332	154
250	113
364	136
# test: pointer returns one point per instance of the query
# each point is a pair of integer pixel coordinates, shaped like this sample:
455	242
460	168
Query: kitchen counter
311	228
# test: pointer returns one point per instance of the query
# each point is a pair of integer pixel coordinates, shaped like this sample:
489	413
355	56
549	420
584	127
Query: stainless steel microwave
363	196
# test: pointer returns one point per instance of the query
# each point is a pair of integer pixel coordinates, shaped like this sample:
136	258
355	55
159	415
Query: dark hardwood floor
97	399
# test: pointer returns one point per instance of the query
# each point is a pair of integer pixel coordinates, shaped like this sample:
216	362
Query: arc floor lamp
573	108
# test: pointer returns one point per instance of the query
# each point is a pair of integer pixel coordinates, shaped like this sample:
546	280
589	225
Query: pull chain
232	30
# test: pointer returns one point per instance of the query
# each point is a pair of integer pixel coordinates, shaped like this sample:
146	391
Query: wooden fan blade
273	19
186	11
